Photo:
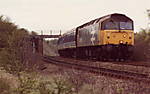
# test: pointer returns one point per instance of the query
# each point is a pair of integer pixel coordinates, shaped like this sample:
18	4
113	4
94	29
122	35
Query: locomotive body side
88	35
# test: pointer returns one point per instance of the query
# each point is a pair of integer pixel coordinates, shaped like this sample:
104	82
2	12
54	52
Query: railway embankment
89	83
130	66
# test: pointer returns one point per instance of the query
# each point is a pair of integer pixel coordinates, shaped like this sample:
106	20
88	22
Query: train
110	37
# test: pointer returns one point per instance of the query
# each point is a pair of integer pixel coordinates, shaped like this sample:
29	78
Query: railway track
120	74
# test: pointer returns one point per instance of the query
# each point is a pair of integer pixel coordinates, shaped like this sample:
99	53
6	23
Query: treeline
19	78
142	45
11	45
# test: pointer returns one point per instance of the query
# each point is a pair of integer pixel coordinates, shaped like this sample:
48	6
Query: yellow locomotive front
117	33
117	36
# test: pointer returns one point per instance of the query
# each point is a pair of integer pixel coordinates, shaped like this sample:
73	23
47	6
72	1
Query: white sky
36	15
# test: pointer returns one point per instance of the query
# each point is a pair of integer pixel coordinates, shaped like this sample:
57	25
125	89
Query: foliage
148	13
56	86
11	59
27	84
6	28
4	86
33	33
11	45
33	84
142	45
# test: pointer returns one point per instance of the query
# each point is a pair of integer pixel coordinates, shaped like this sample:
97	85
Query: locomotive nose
114	37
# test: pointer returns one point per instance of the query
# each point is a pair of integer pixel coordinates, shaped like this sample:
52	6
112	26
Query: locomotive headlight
121	41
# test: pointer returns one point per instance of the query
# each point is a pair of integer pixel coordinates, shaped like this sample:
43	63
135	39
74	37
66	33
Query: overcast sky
36	15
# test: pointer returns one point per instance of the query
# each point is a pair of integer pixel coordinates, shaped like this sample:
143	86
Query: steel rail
138	77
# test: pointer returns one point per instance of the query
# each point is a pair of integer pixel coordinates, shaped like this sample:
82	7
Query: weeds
4	86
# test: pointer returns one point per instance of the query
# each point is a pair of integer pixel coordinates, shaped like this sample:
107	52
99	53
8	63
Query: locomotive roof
103	18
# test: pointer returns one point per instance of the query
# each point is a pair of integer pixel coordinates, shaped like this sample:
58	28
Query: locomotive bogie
103	52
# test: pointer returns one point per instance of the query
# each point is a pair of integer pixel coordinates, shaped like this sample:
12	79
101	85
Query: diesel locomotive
105	38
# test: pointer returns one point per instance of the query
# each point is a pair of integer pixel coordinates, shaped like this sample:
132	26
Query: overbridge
37	42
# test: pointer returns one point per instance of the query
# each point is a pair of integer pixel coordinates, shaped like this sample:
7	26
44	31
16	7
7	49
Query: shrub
56	86
142	45
4	86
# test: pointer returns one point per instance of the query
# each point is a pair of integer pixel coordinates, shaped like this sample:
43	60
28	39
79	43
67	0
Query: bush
4	86
142	45
28	84
11	46
34	84
56	86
